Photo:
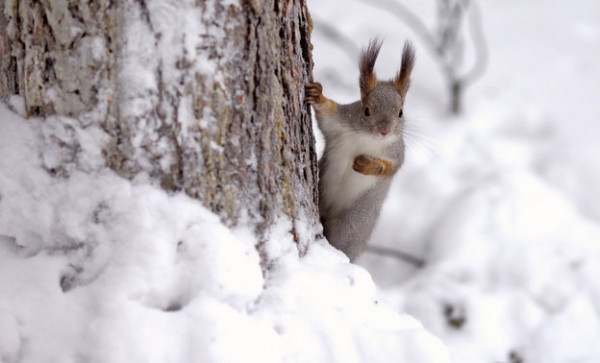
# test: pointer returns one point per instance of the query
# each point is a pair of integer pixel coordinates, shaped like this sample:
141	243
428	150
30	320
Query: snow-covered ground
501	203
95	268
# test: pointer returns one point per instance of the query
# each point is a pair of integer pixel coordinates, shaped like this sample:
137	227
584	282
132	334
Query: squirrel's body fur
342	146
364	148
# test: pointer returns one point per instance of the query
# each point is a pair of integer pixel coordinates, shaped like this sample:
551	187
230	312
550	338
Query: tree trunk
203	96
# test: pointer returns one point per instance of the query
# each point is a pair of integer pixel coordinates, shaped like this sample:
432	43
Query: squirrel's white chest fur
343	184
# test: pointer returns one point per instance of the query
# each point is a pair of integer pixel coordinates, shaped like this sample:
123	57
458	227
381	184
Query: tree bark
204	97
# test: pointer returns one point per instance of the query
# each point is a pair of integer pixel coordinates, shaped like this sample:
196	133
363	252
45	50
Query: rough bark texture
217	113
56	54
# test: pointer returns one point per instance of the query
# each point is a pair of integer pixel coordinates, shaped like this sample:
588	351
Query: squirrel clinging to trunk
364	148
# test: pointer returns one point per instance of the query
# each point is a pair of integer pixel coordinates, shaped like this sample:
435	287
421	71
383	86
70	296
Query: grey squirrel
364	148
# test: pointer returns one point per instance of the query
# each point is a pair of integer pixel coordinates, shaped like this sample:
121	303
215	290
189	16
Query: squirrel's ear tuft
402	80
367	80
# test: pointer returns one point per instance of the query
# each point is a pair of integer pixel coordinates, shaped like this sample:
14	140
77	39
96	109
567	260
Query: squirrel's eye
400	113
367	111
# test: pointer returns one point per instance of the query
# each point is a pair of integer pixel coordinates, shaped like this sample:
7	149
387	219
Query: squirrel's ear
402	80
367	80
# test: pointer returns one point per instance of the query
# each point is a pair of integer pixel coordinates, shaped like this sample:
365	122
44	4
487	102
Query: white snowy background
500	203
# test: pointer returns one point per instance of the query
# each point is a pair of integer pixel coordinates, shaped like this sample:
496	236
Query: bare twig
446	48
480	43
384	251
407	16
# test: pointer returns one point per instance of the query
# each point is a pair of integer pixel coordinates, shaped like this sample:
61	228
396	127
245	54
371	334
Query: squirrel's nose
384	130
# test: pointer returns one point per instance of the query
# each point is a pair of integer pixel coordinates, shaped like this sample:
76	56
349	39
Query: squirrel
364	148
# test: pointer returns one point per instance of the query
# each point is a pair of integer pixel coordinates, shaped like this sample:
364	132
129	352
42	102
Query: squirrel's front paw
372	166
313	93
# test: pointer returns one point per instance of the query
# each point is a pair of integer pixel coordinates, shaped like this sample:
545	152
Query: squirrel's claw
313	93
323	106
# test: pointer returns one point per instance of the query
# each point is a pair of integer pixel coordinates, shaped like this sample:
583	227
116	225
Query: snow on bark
58	55
202	97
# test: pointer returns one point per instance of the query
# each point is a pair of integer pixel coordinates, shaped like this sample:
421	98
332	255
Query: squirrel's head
383	101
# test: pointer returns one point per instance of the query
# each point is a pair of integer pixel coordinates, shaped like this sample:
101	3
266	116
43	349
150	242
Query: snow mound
97	268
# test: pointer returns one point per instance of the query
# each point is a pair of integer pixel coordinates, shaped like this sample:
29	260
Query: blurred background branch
347	45
397	254
446	44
